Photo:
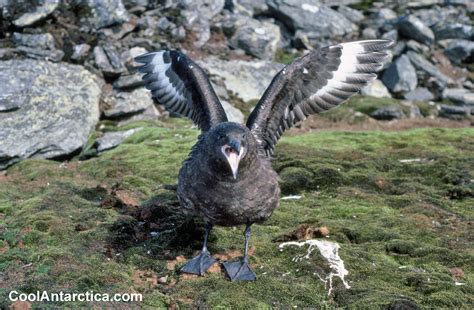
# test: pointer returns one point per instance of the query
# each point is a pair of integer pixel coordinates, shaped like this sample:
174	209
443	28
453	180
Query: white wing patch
348	68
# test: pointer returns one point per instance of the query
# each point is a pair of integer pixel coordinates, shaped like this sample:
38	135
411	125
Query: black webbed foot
199	264
239	271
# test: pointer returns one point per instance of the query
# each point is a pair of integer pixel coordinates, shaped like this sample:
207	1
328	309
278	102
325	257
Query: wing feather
179	84
314	83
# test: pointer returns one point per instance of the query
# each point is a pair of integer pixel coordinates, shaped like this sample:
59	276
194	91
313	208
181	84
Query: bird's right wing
314	83
182	87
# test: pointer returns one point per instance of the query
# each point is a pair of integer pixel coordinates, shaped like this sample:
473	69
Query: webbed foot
239	271
199	264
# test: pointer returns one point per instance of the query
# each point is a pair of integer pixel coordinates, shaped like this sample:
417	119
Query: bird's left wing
314	83
182	87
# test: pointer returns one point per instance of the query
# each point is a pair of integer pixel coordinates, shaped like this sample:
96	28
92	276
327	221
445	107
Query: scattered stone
370	33
40	41
388	113
257	38
460	51
386	14
130	103
80	51
129	81
105	13
351	14
39	13
400	77
419	94
151	113
319	21
233	114
424	65
459	96
246	79
57	106
197	16
453	112
112	139
34	53
412	45
391	35
413	28
448	30
376	89
108	61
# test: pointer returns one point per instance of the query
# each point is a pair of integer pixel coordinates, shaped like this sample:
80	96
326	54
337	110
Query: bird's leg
240	270
201	263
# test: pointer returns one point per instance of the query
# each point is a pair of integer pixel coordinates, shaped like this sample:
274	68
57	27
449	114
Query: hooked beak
233	152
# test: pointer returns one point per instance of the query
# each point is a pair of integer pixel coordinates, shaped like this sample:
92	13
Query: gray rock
112	139
37	46
391	35
36	53
248	7
370	33
311	17
424	65
399	48
233	114
105	13
108	61
453	112
129	81
388	113
128	103
151	113
400	77
257	38
460	51
351	14
419	94
449	30
40	41
386	14
80	51
197	16
412	45
376	89
413	28
246	79
57	107
459	96
39	13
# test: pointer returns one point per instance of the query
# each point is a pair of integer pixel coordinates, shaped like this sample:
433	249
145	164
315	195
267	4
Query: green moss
401	225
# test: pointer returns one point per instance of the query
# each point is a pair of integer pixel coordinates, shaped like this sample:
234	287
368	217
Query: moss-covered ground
400	204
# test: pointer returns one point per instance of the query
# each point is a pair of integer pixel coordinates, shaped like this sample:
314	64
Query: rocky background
65	65
88	161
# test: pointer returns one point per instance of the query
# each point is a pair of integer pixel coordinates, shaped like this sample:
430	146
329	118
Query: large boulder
423	65
413	28
257	38
246	79
47	110
460	96
400	77
312	17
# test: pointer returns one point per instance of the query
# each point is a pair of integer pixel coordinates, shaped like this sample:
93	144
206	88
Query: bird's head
230	144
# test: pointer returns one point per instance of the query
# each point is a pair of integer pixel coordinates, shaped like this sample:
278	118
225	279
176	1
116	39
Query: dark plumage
228	179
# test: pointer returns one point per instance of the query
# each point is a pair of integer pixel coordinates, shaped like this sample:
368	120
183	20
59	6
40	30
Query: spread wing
182	87
314	83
